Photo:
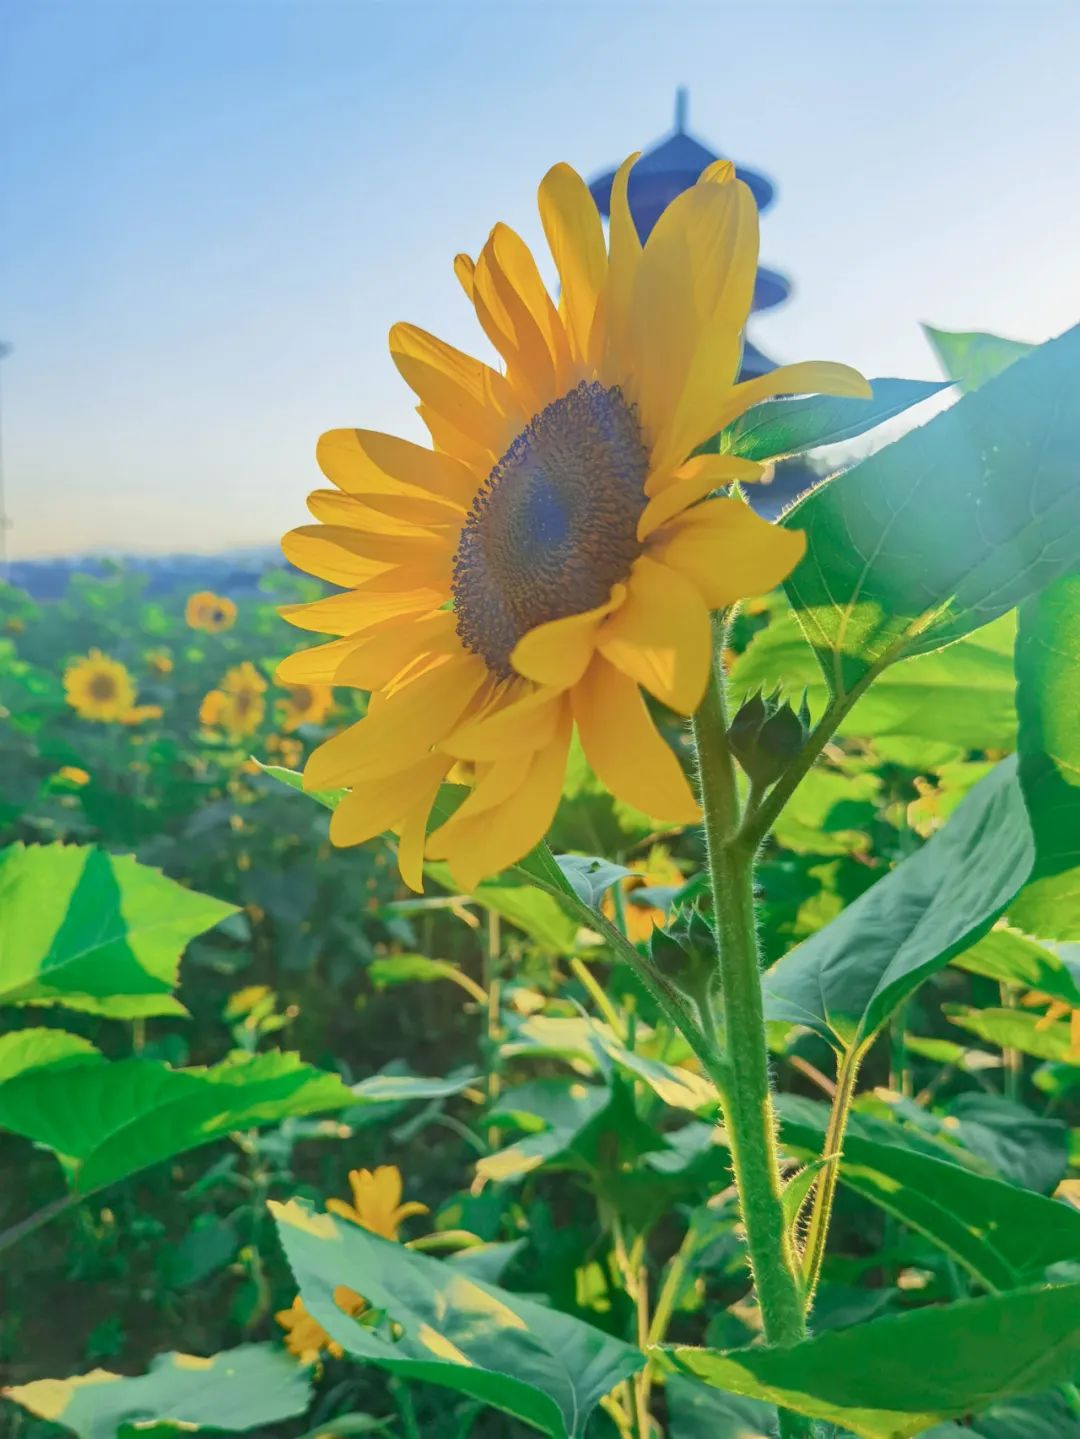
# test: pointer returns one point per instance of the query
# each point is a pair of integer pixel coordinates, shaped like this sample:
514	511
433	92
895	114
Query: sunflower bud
685	954
767	734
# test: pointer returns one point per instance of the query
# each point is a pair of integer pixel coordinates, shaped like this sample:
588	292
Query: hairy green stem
746	1092
817	1233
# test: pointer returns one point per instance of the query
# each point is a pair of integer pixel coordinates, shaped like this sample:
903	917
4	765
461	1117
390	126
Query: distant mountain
232	572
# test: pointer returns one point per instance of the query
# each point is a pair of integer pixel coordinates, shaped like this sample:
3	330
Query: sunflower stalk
742	1071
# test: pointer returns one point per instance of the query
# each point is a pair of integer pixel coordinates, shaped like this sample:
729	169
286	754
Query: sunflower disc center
102	687
554	525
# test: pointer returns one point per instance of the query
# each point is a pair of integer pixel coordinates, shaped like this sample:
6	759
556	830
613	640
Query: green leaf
1016	1029
1048	700
697	1411
1002	1234
236	1390
973	357
443	1327
590	877
895	1377
964	696
845	980
1012	958
951	526
787	427
95	931
27	1049
534	911
401	1088
124	1116
328	798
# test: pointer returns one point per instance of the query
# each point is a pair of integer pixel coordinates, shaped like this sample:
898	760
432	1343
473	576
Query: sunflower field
621	980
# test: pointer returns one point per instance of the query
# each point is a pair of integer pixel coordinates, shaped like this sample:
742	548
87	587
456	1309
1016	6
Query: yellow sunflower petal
412	837
610	342
809	377
376	805
474	398
383	653
512	328
558	652
465	270
318	665
728	551
318	553
625	749
398	514
453	444
365	462
576	239
354	611
691	482
402	728
661	636
525	721
691	297
491	841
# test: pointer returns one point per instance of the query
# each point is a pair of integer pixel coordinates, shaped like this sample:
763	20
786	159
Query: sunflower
207	611
558	549
306	704
160	661
99	688
237	706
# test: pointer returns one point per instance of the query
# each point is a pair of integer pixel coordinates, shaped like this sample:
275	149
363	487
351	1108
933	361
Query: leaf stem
746	1092
817	1233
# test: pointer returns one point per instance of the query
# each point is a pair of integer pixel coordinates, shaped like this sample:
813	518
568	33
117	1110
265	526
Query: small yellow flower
207	611
376	1206
138	713
376	1201
306	704
238	706
160	661
99	688
73	775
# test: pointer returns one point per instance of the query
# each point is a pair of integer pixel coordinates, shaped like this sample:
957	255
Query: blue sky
214	209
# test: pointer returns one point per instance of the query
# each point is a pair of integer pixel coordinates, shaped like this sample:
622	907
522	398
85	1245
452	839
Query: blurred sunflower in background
100	688
557	550
376	1206
638	918
305	704
238	705
207	611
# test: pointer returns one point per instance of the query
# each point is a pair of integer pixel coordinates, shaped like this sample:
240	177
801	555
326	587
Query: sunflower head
657	870
554	556
305	704
210	612
238	705
99	688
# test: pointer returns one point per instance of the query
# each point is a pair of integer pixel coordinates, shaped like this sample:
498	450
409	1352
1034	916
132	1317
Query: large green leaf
1048	700
845	980
1012	958
105	1121
698	1411
1004	1235
895	1377
951	526
234	1391
443	1327
788	427
972	357
94	931
26	1049
1017	1029
965	695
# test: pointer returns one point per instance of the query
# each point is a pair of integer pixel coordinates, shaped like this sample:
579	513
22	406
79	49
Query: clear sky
213	210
